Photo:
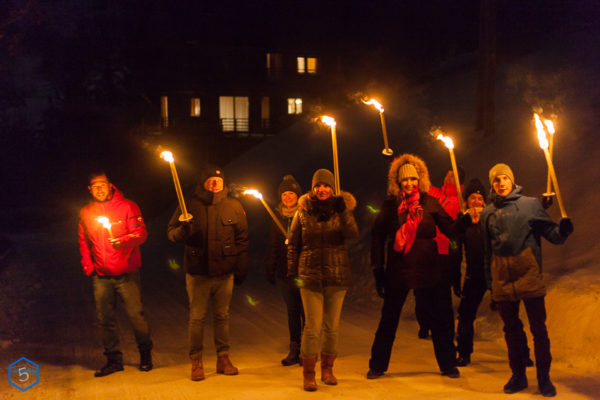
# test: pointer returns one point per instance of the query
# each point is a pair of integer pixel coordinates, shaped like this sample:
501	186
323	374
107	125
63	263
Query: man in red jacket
111	229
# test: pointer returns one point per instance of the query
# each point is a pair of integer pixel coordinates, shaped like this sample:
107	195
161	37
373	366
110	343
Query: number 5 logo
23	374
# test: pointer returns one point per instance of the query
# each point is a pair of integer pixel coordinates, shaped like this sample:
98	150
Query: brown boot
308	372
197	367
327	369
224	366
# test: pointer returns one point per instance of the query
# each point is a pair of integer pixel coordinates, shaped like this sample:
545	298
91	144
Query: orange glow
254	192
549	126
329	121
447	141
104	221
167	156
541	133
375	104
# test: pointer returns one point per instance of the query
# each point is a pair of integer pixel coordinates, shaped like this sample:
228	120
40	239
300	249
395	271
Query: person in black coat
276	265
406	228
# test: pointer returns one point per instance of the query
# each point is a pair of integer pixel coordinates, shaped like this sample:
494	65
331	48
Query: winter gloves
339	205
380	281
565	227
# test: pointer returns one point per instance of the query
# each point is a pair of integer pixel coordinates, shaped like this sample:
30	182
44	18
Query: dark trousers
295	311
434	302
516	341
472	294
447	275
106	290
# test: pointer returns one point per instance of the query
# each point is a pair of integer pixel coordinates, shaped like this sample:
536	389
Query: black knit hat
474	186
210	171
323	176
289	184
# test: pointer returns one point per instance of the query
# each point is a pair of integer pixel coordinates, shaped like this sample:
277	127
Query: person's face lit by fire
502	185
100	188
323	191
289	199
475	200
214	184
409	185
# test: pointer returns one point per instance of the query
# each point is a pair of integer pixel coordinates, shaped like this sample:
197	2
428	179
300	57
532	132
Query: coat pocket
229	249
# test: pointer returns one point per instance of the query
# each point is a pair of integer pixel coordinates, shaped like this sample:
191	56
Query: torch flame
104	221
549	126
328	120
167	156
375	104
541	134
447	141
254	192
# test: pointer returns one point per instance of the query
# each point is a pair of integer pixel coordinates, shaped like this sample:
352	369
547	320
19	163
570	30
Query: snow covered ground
43	284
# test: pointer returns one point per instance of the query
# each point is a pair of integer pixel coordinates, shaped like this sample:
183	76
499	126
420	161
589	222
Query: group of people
417	242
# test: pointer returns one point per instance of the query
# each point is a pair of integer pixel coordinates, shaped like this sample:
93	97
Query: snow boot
224	366
308	373
451	373
146	360
327	369
374	374
463	361
197	367
516	383
110	367
293	356
545	386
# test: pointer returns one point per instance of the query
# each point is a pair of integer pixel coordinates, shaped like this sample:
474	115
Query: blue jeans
217	291
322	310
106	289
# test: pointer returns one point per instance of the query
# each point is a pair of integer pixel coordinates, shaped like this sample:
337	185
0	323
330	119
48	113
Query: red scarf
405	236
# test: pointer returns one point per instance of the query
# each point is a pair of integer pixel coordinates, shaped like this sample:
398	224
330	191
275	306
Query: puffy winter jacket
420	267
317	250
216	239
97	253
512	227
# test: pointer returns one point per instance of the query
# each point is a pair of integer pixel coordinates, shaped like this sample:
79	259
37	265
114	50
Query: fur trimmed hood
305	201
424	182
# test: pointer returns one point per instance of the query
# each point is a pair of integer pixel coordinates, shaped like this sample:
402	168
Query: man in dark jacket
216	256
111	229
512	226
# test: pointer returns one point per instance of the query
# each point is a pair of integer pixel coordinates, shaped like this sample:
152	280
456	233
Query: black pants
516	341
295	311
472	294
435	303
447	275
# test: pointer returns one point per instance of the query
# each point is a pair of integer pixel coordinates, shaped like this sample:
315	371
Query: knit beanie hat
474	186
210	171
407	171
289	184
323	176
501	169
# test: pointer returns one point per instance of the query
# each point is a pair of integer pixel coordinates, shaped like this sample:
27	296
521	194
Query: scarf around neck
405	235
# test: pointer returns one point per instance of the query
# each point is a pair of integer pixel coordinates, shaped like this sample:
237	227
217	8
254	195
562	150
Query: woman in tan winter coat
318	259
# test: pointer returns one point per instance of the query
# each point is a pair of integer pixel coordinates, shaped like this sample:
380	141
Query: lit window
294	106
233	113
306	65
265	113
195	107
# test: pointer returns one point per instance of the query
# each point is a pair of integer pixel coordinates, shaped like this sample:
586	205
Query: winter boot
308	373
146	360
464	360
293	356
224	366
110	367
516	383
545	386
197	367
451	373
327	369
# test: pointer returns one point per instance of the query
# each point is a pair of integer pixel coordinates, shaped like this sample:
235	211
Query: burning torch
168	156
336	171
450	146
386	151
551	131
258	195
544	145
107	225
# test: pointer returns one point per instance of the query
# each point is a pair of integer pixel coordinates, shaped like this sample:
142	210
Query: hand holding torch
168	156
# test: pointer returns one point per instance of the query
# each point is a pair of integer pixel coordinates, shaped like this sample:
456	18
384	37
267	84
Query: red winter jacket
448	199
97	253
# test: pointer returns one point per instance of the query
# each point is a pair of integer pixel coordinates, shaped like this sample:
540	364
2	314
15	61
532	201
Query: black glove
380	280
493	305
546	201
456	289
239	279
339	205
565	227
463	221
